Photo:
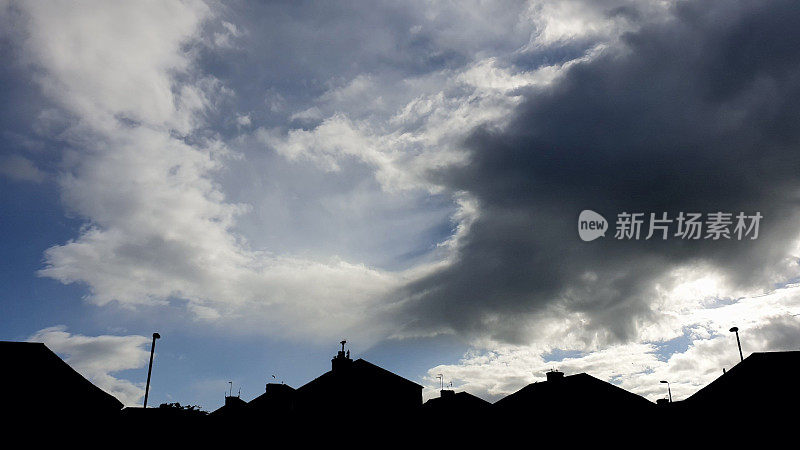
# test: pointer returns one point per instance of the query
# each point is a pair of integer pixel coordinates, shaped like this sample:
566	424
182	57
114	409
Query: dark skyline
356	399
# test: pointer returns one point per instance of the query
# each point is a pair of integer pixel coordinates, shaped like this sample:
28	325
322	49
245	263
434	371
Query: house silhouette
562	401
455	405
40	385
757	393
276	405
234	407
759	390
358	388
762	380
278	400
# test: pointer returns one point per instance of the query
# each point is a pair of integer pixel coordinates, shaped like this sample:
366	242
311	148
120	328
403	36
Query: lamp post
738	342
150	368
669	390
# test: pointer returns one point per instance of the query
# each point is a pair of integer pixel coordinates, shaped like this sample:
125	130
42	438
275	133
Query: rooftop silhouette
452	402
562	401
762	379
37	383
758	388
279	399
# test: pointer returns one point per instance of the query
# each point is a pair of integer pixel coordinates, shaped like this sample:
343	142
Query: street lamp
150	368
738	342
669	390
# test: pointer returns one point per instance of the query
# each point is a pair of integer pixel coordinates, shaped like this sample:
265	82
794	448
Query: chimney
234	402
447	393
342	359
554	376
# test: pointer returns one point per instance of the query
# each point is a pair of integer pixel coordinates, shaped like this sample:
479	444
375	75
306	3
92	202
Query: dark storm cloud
696	114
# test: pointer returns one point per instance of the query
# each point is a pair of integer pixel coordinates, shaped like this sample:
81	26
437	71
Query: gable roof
368	367
44	381
575	390
362	369
232	405
456	400
276	394
761	377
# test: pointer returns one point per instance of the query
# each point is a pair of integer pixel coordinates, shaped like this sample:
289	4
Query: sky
257	181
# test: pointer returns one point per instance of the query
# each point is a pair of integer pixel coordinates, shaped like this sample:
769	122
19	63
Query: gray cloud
697	113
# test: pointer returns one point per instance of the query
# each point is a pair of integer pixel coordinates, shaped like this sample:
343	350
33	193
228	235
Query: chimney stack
234	402
447	393
342	359
554	375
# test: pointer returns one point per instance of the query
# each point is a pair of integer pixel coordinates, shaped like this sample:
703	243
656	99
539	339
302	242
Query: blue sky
259	181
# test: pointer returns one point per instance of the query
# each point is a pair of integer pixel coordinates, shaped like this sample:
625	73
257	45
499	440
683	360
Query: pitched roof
275	394
43	381
361	368
575	390
233	405
459	400
761	377
367	366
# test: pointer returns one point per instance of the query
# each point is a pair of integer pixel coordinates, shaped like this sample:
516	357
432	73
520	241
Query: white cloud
419	131
105	60
140	171
767	323
98	357
243	120
568	20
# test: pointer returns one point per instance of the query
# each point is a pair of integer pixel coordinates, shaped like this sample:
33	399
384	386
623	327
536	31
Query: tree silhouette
193	410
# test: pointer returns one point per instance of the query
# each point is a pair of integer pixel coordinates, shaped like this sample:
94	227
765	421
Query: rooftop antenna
441	381
230	393
344	341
